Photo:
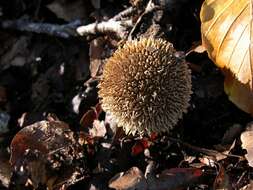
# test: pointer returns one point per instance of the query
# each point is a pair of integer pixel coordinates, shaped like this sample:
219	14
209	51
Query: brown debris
44	149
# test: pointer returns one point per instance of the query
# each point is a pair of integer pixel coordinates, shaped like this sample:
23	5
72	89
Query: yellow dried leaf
247	142
226	27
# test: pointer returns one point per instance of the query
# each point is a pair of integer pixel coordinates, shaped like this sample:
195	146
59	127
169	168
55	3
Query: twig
240	179
208	152
118	25
63	31
149	172
110	26
150	175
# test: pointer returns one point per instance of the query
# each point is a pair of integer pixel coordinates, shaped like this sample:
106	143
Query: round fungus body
145	87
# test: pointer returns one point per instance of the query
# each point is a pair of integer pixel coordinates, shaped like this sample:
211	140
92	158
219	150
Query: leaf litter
54	134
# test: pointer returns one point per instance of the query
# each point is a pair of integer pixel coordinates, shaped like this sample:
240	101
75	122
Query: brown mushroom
145	87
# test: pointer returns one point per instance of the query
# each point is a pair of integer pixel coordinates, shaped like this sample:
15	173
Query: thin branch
63	31
110	26
118	25
208	152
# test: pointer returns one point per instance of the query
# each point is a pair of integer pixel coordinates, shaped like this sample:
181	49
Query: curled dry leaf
247	143
226	27
129	180
90	116
43	151
90	120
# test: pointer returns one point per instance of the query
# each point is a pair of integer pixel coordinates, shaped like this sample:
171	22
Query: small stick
118	24
203	150
63	31
110	26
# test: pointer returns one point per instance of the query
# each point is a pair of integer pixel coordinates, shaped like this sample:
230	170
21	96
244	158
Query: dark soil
41	76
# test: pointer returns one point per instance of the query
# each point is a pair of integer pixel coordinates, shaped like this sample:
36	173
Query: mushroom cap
145	86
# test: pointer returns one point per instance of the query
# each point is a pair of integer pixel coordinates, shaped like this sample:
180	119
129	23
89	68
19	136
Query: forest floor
48	82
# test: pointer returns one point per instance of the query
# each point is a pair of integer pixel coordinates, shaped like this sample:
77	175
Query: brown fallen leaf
171	179
133	179
100	49
96	53
247	142
226	27
90	116
42	151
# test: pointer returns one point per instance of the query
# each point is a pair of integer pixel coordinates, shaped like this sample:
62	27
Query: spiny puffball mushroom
145	86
